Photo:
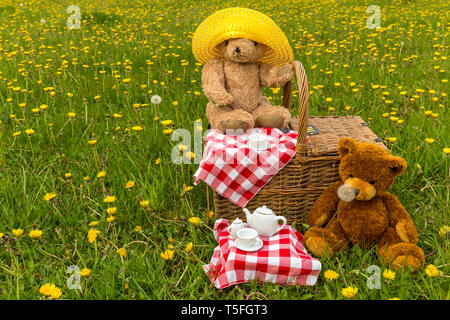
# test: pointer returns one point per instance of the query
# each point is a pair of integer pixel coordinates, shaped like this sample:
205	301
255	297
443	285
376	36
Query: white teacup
258	141
247	237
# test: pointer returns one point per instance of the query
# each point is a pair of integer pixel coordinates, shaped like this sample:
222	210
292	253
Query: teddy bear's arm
324	207
275	76
213	83
400	219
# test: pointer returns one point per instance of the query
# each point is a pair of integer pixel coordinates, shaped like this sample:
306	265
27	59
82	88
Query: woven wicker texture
294	189
241	23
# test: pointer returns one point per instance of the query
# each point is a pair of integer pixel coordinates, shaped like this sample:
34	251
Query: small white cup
258	141
247	237
235	227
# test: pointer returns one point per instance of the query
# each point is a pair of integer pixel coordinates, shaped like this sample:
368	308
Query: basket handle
303	94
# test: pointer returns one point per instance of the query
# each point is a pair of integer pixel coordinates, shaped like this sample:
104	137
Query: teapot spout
248	215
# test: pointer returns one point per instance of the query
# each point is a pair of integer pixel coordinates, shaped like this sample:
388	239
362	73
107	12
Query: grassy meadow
86	176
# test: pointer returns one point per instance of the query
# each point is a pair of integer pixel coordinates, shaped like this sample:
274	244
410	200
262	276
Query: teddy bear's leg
267	115
326	241
226	118
399	254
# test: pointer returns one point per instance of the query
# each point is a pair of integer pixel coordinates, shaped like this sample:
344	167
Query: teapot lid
237	221
264	210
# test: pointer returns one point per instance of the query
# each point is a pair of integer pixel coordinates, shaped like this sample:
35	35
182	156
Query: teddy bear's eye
351	176
372	182
256	43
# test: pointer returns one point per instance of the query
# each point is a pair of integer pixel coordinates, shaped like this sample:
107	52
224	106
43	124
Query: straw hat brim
241	23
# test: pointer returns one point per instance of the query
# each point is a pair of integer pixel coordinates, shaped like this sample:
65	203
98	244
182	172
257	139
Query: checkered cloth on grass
282	260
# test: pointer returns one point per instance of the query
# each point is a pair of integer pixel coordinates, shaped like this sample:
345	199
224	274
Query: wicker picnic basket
294	189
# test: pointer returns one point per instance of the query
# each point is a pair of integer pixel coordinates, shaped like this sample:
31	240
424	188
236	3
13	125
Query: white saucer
255	247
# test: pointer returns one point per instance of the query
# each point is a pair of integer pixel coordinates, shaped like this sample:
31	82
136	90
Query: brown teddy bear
233	85
359	210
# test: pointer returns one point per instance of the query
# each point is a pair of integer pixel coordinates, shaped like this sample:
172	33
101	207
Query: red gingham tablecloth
236	171
282	260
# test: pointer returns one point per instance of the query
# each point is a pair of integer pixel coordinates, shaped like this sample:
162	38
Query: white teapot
264	221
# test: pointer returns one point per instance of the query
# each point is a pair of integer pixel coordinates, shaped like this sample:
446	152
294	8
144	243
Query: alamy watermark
374	20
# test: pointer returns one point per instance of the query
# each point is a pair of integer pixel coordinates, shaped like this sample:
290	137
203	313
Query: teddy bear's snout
237	49
354	188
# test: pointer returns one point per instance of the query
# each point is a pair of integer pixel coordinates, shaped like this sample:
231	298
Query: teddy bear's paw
285	70
224	100
403	256
234	125
402	263
285	73
269	121
318	246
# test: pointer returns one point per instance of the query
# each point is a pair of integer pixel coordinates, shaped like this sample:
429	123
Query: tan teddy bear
233	84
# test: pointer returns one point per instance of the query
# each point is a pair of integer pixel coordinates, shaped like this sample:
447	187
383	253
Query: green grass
150	39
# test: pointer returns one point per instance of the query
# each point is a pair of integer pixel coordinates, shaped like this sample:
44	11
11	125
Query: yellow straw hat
241	23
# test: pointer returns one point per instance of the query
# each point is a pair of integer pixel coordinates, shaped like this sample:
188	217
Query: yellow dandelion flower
110	199
158	161
101	174
111	210
331	275
144	203
432	271
92	142
138	229
67	175
85	272
446	150
167	255
35	234
47	289
429	140
168	131
443	231
122	252
93	223
29	132
17	233
329	99
137	128
92	235
71	114
129	184
349	292
111	219
194	220
166	122
389	274
49	196
189	246
15	134
392	139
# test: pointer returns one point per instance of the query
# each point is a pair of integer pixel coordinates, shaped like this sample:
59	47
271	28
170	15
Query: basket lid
328	130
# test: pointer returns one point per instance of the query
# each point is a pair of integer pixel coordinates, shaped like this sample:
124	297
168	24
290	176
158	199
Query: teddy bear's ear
345	146
396	164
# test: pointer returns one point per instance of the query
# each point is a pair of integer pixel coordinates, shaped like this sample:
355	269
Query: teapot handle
284	223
